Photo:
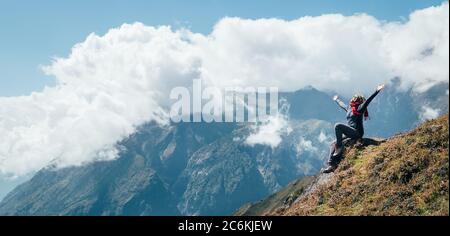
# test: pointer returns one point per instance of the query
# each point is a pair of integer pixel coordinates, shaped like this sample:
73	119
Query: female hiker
354	129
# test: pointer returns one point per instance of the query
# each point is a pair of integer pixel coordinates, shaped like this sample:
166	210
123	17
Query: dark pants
346	130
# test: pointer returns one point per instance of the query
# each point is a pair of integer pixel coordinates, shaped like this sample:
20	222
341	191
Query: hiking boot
338	150
329	169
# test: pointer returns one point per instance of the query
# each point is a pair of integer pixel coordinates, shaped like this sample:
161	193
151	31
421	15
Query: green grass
406	175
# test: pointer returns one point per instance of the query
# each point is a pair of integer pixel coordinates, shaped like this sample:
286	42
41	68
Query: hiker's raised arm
340	103
363	106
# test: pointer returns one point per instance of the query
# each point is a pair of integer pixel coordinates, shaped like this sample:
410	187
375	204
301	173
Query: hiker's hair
358	98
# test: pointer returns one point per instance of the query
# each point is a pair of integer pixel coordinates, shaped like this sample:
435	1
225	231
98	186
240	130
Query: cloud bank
429	113
270	133
113	83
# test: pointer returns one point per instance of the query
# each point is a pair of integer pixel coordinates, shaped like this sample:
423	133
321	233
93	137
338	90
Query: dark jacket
356	121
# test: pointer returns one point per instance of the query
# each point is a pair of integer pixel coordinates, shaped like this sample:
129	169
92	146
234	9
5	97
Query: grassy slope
406	175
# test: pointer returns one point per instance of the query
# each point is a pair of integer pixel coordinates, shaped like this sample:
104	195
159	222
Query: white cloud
270	133
429	113
336	52
418	50
305	145
111	84
323	138
106	87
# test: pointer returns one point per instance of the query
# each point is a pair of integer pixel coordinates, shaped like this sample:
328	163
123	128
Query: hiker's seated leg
330	156
338	130
342	130
347	141
333	160
338	150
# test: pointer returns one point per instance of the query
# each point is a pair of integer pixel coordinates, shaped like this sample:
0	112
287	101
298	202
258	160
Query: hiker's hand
380	87
336	97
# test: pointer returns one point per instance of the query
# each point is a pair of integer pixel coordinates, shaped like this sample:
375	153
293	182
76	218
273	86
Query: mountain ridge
192	169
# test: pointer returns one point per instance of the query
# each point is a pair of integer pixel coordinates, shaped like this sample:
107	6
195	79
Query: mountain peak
309	87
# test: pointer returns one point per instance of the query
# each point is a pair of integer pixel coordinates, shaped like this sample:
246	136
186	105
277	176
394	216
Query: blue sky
32	32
